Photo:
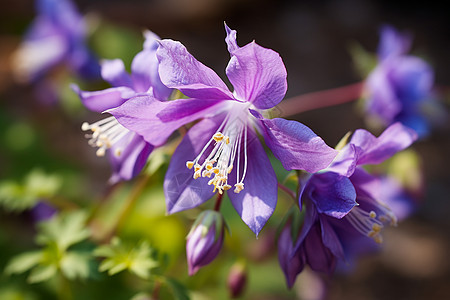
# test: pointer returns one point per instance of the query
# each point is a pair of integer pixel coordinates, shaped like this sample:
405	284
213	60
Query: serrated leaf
65	230
120	256
23	262
42	273
75	265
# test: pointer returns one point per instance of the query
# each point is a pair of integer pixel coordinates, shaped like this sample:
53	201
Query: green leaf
179	291
119	257
75	264
65	230
23	262
42	273
364	61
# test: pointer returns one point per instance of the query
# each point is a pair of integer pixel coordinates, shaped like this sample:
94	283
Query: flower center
105	134
226	143
370	223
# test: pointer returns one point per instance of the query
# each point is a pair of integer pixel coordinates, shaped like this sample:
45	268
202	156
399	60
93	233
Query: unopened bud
237	280
205	240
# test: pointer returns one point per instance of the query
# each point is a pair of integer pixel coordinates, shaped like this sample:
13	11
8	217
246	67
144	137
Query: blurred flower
205	240
42	211
223	149
399	88
128	151
237	279
343	207
57	36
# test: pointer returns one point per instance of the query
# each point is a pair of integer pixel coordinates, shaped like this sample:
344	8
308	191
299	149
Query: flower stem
218	202
325	98
287	191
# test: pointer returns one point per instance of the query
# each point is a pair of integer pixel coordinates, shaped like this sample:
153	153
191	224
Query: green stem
325	98
127	207
287	191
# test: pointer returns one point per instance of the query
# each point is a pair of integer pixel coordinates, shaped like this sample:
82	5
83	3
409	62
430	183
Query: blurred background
315	39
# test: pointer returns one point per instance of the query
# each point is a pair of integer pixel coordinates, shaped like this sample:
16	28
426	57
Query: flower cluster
221	153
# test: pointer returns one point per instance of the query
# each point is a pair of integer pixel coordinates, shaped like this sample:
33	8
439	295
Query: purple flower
342	205
223	150
128	151
56	36
205	240
400	86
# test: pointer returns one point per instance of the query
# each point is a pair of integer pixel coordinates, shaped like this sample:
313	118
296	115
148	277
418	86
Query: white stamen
105	134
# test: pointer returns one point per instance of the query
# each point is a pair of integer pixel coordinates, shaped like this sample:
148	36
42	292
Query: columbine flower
56	36
400	86
222	152
205	240
342	205
128	151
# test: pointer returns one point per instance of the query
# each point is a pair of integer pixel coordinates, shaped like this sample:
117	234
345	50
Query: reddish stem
310	101
218	202
287	191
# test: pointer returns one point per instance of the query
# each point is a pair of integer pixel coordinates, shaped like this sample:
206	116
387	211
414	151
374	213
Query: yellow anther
378	239
373	214
227	140
100	152
238	187
218	136
376	227
371	234
189	164
196	174
118	152
215	171
197	167
226	187
209	166
206	173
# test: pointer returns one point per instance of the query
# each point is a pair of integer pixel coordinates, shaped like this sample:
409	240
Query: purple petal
346	160
100	101
291	263
382	100
412	78
257	201
258	75
134	154
332	194
375	150
318	256
311	218
296	146
156	120
182	191
144	69
231	39
180	70
113	71
393	43
330	238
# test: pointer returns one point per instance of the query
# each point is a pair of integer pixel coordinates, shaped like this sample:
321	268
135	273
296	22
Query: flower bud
205	240
237	280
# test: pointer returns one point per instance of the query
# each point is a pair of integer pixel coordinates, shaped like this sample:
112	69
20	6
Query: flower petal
141	114
332	194
393	43
182	191
345	162
180	70
113	71
134	154
330	238
375	150
100	101
257	201
318	256
144	69
296	146
291	263
258	75
230	39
